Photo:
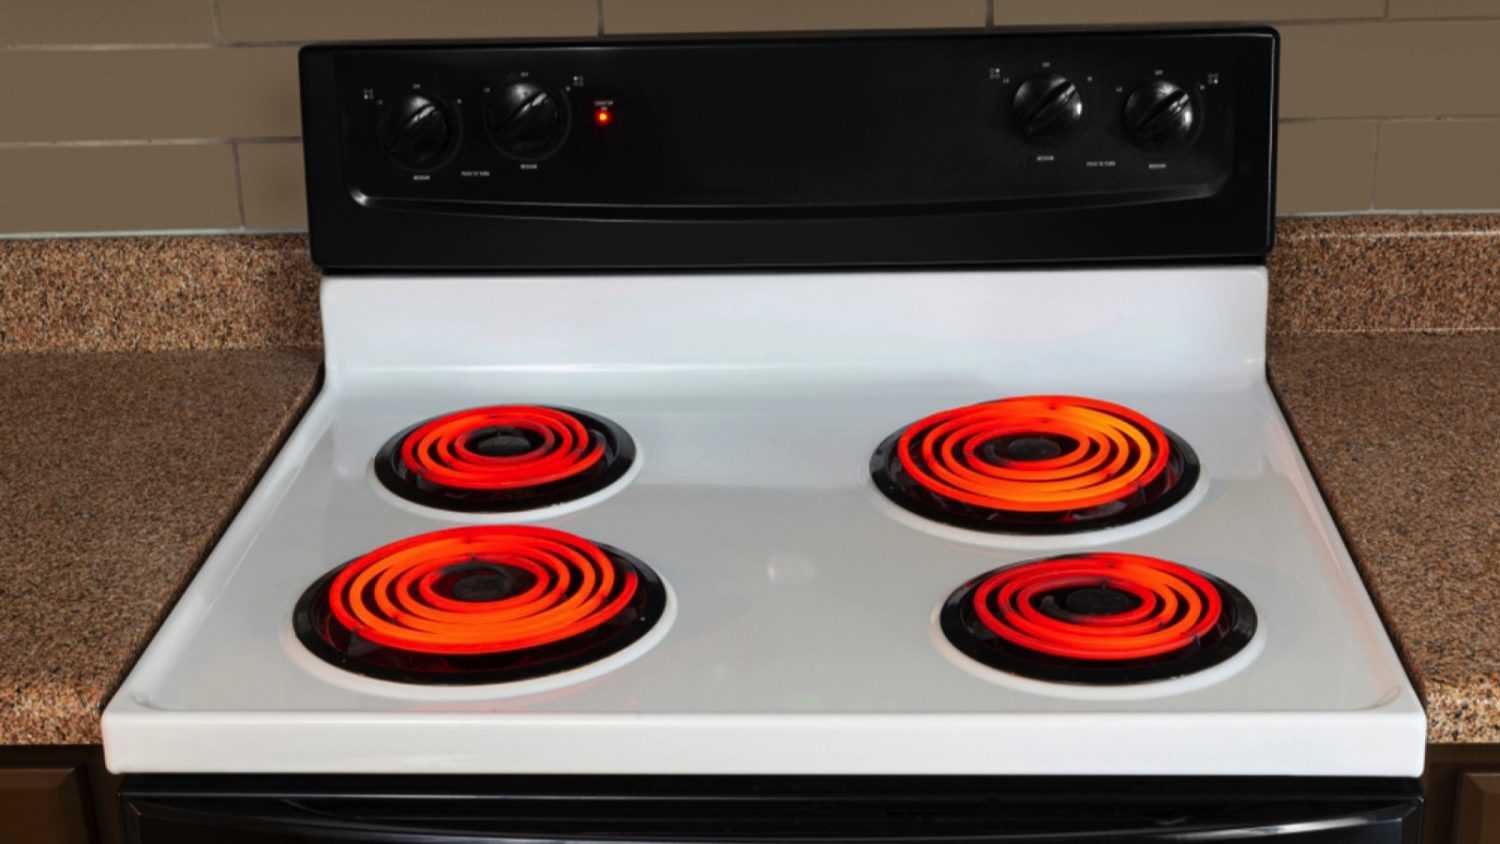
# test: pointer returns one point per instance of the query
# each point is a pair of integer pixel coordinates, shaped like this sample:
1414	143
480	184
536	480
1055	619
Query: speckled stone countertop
1399	430
143	384
117	473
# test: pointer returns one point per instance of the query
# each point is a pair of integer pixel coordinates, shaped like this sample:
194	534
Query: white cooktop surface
801	636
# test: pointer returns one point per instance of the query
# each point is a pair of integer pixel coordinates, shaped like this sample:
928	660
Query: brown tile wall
639	16
182	114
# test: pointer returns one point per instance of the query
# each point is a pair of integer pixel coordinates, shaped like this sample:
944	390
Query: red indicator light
603	116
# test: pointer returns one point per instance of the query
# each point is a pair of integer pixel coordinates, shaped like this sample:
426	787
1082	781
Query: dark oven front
163	809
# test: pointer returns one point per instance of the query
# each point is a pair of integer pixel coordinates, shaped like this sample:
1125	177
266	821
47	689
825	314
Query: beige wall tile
1438	164
106	22
752	15
168	186
307	20
1325	165
149	94
1031	12
1445	8
1407	69
271	185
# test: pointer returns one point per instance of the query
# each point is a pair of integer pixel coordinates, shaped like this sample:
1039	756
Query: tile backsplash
182	114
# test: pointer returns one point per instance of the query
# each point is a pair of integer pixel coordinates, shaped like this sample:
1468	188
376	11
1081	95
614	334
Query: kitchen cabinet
43	806
1476	816
1461	789
57	795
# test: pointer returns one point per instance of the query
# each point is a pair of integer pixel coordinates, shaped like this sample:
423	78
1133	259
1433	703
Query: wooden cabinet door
1476	818
42	806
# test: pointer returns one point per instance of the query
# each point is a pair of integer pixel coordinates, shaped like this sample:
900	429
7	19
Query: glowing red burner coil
1099	618
440	451
1112	450
505	458
1176	607
388	595
1035	464
479	604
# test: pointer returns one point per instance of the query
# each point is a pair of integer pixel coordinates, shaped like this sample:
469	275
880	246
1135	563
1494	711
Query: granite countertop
117	471
1400	431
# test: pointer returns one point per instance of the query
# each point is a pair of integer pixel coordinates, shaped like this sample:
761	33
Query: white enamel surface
803	637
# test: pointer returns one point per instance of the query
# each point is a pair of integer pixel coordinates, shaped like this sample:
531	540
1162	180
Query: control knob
527	121
417	131
1047	105
1160	115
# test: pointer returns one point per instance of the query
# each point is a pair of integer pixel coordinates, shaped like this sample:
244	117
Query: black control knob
1160	115
1047	105
527	121
418	132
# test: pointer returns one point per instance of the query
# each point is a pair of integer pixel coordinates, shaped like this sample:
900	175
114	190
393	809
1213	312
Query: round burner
1091	601
1103	618
504	458
1035	464
504	442
480	582
471	605
1025	448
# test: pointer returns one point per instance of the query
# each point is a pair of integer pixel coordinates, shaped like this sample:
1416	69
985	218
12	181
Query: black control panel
895	150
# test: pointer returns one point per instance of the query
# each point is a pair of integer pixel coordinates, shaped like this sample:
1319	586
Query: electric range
825	423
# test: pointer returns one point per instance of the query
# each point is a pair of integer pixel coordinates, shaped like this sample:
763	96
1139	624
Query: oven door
847	810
